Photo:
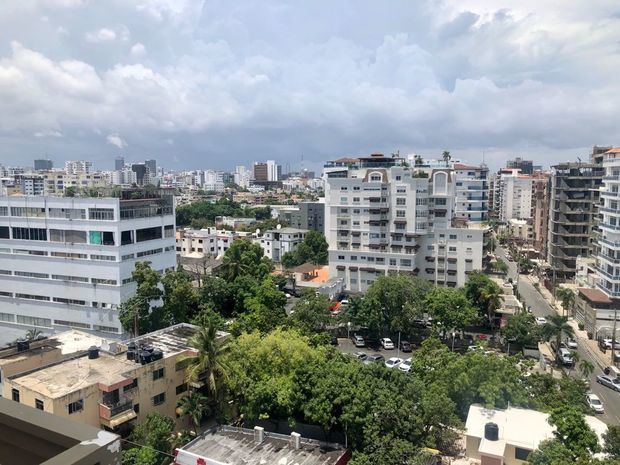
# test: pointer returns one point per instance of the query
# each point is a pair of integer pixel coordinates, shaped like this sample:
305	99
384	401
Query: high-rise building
513	195
142	173
526	166
213	181
574	198
310	215
119	163
261	172
381	216
152	167
78	166
43	164
274	171
67	262
540	211
472	198
242	176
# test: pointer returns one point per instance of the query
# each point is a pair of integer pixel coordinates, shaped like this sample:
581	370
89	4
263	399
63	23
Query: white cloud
48	133
116	140
102	35
138	50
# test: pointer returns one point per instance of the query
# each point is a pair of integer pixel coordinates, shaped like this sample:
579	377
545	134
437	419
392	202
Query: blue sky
210	84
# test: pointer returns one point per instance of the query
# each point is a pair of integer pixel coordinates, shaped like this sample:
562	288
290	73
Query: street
540	307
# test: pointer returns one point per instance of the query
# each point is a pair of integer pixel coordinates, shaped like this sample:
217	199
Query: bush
581	326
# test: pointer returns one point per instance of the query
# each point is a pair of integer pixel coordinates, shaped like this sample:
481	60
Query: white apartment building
382	216
78	166
608	258
124	177
242	176
277	242
471	192
67	262
273	171
212	181
205	242
514	195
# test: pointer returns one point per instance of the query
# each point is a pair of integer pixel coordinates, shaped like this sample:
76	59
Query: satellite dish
279	226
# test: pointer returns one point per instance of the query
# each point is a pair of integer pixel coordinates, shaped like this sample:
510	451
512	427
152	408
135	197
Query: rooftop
230	445
594	295
287	231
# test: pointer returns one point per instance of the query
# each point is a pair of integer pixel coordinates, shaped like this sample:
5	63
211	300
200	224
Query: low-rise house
507	437
225	445
316	277
112	385
276	242
596	311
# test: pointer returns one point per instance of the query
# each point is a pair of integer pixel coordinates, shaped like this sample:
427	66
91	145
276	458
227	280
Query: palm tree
194	405
567	297
555	327
33	334
491	297
418	161
446	157
587	368
233	264
207	365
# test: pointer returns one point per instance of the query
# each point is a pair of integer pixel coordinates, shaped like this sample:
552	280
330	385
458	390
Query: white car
393	362
405	367
609	381
387	343
541	320
571	343
595	403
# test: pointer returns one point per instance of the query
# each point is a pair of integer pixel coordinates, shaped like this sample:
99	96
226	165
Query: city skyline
195	84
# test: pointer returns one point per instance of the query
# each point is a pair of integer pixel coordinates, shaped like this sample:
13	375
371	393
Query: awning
119	419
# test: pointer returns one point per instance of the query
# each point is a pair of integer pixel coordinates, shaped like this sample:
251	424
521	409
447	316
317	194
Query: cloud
48	133
116	140
263	81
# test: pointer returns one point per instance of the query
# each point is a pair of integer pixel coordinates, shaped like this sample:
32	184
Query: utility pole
613	339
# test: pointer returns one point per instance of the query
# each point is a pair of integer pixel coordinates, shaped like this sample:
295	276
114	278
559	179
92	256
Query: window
68	213
32	297
104	258
30	234
76	406
106	214
68	236
4	211
34	321
392	262
136	408
7	316
38	404
169	230
158	374
400	213
15	394
105	329
343	188
101	238
127	257
126	237
356	199
71	324
111	282
340	257
28	274
4	232
181	388
400	226
398	178
451	249
76	256
148	252
159	399
62	277
452	236
440	201
62	300
28	211
401	201
148	234
133	385
522	454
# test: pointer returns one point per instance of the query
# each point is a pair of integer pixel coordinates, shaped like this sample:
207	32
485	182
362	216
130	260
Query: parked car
405	346
571	343
613	371
541	320
358	341
374	358
609	381
405	367
361	356
595	403
393	362
334	341
387	343
606	343
565	357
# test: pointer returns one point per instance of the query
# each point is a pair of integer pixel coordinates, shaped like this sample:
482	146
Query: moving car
571	343
405	367
565	357
387	343
393	362
361	356
541	320
609	381
405	346
374	358
358	341
594	403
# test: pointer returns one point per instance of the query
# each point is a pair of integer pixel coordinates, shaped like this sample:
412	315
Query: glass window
126	237
76	406
68	236
169	230
30	234
68	213
159	399
105	214
148	234
15	394
522	454
158	374
38	404
101	237
4	232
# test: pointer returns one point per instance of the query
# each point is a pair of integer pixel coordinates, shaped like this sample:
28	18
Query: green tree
33	334
138	308
484	294
566	296
522	329
499	266
572	430
450	307
180	298
586	367
244	258
194	406
310	313
314	248
612	441
446	157
550	452
263	309
155	432
141	456
208	364
556	328
219	294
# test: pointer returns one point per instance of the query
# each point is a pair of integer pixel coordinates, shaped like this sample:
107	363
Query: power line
148	447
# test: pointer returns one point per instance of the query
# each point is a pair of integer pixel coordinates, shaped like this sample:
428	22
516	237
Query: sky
199	84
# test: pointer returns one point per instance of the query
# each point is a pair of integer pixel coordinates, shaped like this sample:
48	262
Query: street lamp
348	329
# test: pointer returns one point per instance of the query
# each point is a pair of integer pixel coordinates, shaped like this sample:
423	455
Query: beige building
112	385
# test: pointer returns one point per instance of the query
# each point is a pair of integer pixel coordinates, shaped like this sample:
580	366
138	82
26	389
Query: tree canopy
313	249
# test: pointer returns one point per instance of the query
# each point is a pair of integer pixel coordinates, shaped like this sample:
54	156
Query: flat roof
594	295
288	230
237	445
520	427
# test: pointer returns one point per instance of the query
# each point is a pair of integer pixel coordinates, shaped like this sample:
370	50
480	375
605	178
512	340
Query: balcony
610	193
607	291
113	414
614	277
609	258
609	226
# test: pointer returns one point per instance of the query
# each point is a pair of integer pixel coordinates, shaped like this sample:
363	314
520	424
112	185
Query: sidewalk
591	347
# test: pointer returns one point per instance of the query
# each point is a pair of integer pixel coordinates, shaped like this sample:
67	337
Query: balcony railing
108	410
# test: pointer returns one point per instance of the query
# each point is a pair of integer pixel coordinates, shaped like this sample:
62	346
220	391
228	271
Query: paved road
540	307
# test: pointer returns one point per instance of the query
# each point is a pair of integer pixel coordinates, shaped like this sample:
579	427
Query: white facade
608	258
124	177
472	201
515	195
242	176
204	242
67	262
382	216
272	171
213	181
78	166
277	242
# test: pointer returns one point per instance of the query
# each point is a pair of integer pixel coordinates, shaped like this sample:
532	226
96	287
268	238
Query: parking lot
346	345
